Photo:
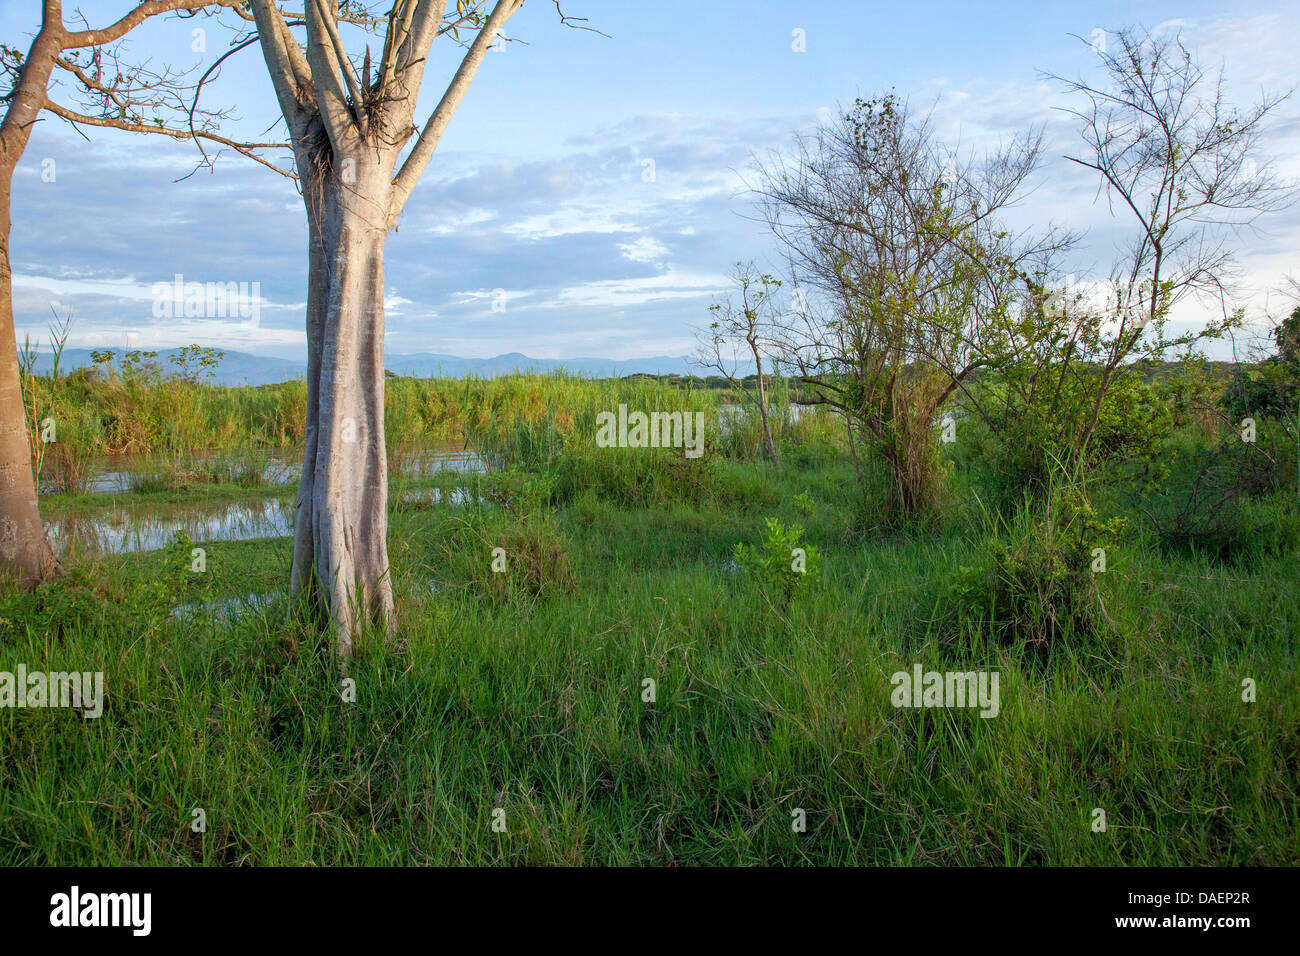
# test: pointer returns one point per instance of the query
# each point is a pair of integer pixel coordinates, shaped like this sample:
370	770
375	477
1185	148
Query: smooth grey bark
340	560
318	197
349	514
348	129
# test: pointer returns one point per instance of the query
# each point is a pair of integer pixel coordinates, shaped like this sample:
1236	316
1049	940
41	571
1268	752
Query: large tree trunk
341	521
24	550
348	129
322	210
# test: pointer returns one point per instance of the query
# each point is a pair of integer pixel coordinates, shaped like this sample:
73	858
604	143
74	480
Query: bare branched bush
909	278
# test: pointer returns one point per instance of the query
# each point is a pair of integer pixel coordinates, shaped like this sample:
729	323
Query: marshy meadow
967	535
524	689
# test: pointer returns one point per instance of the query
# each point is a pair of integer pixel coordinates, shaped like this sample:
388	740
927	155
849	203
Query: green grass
524	693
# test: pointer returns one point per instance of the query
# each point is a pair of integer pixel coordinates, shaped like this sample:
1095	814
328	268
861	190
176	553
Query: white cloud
226	334
644	249
458	223
567	221
625	293
393	303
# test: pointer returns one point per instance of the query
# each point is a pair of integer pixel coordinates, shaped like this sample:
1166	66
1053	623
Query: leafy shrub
781	566
1037	434
1272	387
1209	504
804	504
1037	583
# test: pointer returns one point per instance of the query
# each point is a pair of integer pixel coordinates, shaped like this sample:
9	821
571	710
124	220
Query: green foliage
11	68
1036	585
196	362
1271	387
782	566
520	691
1229	501
533	560
521	493
1040	430
548	424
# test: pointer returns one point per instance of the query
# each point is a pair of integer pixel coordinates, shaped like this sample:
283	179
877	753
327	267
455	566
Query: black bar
329	906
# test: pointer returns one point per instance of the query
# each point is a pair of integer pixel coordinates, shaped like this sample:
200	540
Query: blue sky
538	188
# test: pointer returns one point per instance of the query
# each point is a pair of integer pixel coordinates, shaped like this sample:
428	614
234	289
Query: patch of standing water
728	414
140	528
116	474
126	526
227	608
436	496
120	530
427	462
235	606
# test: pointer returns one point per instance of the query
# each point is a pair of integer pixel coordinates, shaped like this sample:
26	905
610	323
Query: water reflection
117	474
229	607
118	530
730	413
121	530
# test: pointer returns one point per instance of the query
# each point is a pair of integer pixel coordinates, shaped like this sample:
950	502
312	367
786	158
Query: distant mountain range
240	368
429	364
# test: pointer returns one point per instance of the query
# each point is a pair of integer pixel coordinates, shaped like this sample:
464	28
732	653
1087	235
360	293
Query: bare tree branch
406	178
